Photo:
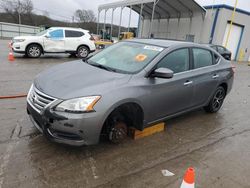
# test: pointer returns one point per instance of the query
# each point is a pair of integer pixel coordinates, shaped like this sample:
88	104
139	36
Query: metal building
219	18
187	20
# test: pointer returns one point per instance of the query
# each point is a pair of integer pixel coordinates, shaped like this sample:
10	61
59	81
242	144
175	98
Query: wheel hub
34	51
118	133
83	52
218	99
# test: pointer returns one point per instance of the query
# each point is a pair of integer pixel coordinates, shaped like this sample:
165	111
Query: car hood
78	79
26	37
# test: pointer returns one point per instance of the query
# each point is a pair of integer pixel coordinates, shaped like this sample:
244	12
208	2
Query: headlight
78	105
18	40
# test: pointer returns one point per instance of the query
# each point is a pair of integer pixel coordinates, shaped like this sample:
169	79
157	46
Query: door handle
188	83
215	76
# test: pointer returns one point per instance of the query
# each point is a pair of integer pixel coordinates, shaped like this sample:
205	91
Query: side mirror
163	73
47	35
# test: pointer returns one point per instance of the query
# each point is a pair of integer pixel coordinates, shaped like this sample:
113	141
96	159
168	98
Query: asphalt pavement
216	145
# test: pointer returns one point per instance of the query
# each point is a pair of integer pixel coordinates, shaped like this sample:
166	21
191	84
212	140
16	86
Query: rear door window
74	34
202	58
177	61
58	33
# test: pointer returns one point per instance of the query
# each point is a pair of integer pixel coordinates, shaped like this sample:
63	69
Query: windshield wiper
86	59
103	67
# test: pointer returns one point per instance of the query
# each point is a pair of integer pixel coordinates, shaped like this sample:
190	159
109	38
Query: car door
72	39
205	76
169	96
54	41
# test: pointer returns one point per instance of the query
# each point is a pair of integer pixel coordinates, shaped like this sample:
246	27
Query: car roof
71	28
163	42
210	45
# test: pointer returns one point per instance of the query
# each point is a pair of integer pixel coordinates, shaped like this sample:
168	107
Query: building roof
227	7
163	8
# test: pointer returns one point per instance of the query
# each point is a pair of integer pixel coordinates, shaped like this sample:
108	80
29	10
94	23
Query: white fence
9	30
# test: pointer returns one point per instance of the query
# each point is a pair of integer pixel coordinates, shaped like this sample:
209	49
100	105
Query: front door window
177	61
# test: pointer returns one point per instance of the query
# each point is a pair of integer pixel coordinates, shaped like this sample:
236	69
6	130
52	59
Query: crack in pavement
180	154
17	130
206	141
10	147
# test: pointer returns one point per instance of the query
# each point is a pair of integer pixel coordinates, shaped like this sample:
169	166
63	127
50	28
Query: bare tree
27	6
15	8
91	16
21	6
85	15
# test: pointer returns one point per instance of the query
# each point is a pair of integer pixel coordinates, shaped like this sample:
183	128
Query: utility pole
19	12
231	23
19	16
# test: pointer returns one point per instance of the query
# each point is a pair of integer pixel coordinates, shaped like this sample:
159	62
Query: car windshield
42	32
126	57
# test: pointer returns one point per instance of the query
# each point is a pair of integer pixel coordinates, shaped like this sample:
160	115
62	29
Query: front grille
39	100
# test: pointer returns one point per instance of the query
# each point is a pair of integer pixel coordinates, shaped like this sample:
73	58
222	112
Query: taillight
91	38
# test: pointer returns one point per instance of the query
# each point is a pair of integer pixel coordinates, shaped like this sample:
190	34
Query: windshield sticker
154	48
140	58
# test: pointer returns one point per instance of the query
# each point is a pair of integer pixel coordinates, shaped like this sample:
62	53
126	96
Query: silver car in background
134	83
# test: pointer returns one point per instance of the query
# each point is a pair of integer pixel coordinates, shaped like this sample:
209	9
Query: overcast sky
64	9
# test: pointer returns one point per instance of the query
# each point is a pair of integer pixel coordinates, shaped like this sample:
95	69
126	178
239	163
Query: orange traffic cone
11	57
188	181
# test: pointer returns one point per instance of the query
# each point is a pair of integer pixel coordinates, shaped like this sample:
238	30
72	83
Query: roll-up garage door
234	39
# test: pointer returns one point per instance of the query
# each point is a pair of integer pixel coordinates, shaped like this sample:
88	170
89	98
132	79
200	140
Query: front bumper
18	47
67	128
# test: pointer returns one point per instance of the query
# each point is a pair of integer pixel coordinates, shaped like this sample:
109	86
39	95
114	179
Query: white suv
55	40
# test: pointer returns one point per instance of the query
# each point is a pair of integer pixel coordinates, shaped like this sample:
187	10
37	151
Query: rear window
214	47
221	49
74	34
202	58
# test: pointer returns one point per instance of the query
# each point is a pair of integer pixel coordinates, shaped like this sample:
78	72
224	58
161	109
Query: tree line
23	12
16	8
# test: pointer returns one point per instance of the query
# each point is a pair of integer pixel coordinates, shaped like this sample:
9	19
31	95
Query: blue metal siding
238	47
214	26
227	7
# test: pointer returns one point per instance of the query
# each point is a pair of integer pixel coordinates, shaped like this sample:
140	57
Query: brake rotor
118	133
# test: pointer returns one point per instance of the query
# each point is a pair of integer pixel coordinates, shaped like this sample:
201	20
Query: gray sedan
134	83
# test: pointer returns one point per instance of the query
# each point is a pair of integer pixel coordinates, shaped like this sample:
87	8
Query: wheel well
34	43
224	85
82	45
131	112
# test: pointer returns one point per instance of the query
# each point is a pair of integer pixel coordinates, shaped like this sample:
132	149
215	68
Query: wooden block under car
136	134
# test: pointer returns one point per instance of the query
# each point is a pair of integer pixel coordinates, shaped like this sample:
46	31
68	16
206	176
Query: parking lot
216	145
